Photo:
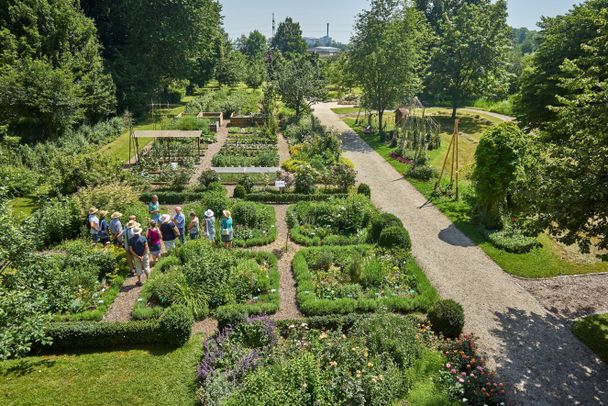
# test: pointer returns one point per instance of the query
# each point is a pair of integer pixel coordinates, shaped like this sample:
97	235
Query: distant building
325	51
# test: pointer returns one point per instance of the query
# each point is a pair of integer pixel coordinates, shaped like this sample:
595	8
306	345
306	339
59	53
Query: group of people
163	231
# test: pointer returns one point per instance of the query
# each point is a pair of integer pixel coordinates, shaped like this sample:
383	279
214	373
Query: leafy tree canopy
51	71
470	58
387	55
299	83
561	38
288	38
254	46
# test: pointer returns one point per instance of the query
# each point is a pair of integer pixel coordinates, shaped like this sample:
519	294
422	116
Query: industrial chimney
327	30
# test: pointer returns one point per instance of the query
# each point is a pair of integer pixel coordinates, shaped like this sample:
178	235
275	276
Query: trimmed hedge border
288	197
172	329
310	305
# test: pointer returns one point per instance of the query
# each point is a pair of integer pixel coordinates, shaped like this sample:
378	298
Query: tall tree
436	10
288	38
572	198
560	39
299	83
470	58
51	71
254	46
148	44
387	55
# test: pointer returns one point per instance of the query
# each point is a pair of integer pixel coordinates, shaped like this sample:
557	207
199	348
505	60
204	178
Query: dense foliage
52	76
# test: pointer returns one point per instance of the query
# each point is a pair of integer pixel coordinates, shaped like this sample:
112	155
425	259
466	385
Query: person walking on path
93	222
127	234
194	226
104	237
226	228
154	209
180	221
168	231
210	225
138	245
115	228
154	241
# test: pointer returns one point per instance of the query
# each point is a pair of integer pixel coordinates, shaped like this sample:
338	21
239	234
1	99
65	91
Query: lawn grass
129	377
426	389
593	331
542	262
346	110
22	207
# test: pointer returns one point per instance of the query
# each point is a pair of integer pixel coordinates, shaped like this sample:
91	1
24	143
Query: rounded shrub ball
176	325
239	192
363	189
447	318
380	222
395	237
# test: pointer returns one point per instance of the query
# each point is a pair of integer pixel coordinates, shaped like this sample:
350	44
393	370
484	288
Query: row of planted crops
248	147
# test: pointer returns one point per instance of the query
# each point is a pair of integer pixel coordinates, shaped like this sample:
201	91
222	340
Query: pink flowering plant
466	375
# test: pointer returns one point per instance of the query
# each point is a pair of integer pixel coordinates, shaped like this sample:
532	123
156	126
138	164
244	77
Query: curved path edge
533	350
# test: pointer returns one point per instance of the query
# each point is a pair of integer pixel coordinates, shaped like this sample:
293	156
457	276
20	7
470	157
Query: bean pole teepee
452	149
417	132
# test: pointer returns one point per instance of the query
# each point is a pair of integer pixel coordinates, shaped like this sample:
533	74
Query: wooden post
457	149
445	162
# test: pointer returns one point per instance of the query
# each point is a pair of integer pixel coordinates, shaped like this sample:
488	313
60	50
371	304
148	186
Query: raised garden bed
208	280
360	279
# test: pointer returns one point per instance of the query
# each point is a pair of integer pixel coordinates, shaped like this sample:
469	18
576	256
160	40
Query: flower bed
369	363
206	280
359	279
254	223
332	222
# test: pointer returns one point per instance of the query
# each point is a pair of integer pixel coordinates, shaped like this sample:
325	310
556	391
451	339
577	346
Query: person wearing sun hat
138	245
210	225
104	237
168	231
180	222
115	227
227	232
93	223
127	234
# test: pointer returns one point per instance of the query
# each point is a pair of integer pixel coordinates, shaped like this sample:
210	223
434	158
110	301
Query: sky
244	16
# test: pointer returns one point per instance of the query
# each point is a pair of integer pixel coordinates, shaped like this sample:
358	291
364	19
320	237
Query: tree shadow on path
547	364
453	236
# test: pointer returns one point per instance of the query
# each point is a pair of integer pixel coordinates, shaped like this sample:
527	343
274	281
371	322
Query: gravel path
212	149
123	304
533	350
283	149
571	297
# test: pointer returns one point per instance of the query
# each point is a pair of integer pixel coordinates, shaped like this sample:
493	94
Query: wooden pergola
162	135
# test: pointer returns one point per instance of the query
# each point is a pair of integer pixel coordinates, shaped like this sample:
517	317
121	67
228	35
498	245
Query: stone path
533	350
284	154
212	149
124	302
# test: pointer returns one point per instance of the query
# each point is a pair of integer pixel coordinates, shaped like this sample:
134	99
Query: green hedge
310	305
171	197
288	197
172	329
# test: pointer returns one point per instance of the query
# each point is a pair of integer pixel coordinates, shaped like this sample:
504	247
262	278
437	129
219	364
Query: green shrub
305	179
176	325
216	201
288	197
230	315
395	237
364	189
18	181
208	177
373	273
447	318
239	192
247	183
379	223
512	240
422	172
172	197
56	220
167	263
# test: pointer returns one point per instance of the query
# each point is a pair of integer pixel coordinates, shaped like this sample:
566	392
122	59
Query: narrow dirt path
501	117
124	302
533	350
212	149
284	249
283	149
571	296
